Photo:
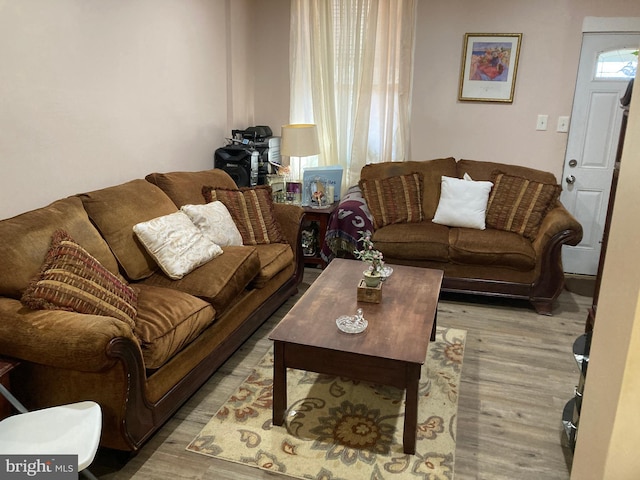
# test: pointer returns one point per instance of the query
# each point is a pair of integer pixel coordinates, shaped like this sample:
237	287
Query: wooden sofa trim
541	294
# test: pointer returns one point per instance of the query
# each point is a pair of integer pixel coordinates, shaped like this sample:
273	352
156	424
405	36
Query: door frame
611	24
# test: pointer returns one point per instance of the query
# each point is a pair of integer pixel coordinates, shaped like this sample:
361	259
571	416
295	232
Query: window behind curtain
352	63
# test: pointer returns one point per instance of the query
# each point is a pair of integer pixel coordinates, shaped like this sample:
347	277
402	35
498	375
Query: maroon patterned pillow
519	205
73	280
395	199
252	212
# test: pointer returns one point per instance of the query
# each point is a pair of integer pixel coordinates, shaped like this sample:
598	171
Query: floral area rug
342	429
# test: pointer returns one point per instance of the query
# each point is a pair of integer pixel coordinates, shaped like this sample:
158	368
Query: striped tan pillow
519	205
252	212
395	199
73	280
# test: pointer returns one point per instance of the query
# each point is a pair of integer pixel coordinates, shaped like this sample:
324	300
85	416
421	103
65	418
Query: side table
319	217
6	367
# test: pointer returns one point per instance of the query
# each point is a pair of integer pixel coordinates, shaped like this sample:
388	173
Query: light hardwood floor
518	373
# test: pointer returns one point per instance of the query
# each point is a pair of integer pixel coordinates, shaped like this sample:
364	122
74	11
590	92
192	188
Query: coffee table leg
411	409
433	329
279	384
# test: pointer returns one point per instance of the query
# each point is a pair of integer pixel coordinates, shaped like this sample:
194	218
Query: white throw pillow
463	202
176	244
215	222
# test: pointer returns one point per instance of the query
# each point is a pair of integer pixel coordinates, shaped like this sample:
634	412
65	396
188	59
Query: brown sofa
493	261
184	329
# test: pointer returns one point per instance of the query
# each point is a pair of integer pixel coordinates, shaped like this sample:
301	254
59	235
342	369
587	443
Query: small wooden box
369	294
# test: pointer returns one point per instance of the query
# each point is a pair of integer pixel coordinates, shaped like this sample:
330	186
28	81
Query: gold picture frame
489	67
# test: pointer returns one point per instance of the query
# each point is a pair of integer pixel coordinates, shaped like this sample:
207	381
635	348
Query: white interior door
593	141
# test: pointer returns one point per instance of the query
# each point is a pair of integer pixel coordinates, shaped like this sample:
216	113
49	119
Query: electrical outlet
542	122
563	124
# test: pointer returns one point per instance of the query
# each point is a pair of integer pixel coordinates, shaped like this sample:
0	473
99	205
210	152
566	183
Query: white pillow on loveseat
463	202
215	222
176	244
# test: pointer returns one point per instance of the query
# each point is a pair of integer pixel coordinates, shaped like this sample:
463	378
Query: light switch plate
563	124
541	124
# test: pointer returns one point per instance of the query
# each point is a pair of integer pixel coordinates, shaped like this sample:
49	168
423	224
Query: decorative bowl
352	323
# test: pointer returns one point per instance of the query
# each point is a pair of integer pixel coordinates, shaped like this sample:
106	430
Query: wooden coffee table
390	351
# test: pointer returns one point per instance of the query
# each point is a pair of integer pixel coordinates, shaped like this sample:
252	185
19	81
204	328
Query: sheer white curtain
351	74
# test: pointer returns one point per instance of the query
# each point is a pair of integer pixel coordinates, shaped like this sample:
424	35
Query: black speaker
236	161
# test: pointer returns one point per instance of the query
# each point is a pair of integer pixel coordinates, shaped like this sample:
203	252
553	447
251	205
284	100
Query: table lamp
298	140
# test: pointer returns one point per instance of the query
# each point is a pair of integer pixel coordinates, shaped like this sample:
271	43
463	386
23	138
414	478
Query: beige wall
93	93
442	126
240	78
271	64
609	430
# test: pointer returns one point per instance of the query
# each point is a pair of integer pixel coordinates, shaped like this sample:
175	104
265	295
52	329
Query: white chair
72	429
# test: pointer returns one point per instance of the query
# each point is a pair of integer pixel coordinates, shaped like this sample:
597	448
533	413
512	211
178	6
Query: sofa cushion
26	239
168	320
252	212
274	258
517	204
215	222
491	247
413	241
432	172
72	279
396	199
219	281
176	244
463	202
184	188
115	210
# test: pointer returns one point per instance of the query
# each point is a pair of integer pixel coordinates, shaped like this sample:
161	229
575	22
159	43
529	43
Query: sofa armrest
290	220
558	221
558	228
59	338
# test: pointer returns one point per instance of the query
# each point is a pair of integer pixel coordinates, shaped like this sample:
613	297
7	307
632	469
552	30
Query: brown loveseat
501	260
184	328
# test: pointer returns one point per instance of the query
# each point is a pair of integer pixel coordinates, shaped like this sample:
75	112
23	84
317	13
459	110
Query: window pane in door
617	64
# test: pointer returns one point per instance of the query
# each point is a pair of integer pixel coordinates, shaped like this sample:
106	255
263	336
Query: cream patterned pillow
215	222
176	244
463	203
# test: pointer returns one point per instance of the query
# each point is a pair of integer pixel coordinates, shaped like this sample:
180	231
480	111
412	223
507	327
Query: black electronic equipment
236	161
263	165
253	134
252	154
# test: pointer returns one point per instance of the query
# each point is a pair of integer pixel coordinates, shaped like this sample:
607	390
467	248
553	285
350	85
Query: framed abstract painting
489	67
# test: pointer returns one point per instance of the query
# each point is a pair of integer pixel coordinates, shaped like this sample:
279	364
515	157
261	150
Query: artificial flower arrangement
369	254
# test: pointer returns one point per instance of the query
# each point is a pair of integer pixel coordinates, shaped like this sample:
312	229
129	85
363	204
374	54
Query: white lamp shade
299	140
